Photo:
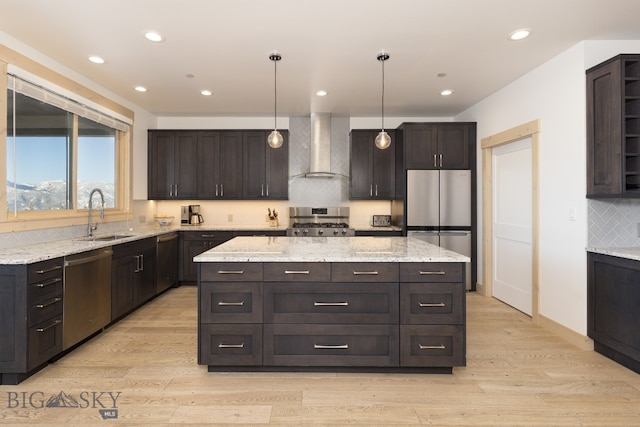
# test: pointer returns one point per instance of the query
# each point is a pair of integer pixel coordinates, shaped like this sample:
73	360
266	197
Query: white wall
555	94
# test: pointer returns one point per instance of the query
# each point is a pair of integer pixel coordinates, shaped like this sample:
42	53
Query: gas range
319	222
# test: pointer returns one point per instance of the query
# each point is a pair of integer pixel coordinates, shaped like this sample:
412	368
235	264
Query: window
58	150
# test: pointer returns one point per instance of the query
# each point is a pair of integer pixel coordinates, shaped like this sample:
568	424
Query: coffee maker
190	215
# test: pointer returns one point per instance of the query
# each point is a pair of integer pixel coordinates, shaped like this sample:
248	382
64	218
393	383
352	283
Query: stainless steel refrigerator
439	209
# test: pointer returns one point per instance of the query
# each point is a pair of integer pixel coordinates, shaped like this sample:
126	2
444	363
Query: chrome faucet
91	226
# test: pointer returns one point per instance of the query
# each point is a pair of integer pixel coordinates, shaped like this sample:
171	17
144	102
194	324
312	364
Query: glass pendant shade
275	139
383	140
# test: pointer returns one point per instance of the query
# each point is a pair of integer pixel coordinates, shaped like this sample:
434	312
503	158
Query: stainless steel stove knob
335	232
320	232
296	232
305	232
344	232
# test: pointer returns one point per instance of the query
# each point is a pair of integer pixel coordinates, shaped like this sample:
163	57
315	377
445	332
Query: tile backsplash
613	223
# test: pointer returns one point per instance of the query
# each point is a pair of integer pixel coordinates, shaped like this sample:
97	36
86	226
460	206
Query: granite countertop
628	253
28	254
328	249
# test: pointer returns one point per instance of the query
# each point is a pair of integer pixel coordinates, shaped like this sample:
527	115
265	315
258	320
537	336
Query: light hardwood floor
517	374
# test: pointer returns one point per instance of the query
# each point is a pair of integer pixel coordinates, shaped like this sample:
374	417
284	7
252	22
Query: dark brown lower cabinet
30	317
327	316
133	275
613	308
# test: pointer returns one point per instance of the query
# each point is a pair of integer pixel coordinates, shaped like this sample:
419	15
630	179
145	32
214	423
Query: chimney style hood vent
320	148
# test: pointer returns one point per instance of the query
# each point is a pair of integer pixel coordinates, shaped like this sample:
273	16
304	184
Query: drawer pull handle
231	345
331	304
432	347
47	304
54	323
365	273
235	304
49	283
230	271
296	272
49	270
432	304
331	347
432	273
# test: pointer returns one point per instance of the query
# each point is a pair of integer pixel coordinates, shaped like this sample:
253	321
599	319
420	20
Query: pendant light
275	139
383	140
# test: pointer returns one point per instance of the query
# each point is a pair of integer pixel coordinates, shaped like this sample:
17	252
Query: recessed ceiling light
140	88
520	34
441	75
153	36
206	92
446	92
96	59
321	93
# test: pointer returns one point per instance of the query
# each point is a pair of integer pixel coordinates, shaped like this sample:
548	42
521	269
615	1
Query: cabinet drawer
432	346
364	272
297	272
432	303
230	272
44	270
207	235
45	289
330	345
432	272
348	303
230	345
231	302
45	309
45	341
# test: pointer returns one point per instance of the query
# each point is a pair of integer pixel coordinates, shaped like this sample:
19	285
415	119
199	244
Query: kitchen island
393	304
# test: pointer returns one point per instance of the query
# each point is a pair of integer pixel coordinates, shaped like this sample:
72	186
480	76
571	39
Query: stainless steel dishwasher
166	261
87	295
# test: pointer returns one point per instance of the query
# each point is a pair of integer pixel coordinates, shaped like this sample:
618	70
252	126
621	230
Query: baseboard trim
581	341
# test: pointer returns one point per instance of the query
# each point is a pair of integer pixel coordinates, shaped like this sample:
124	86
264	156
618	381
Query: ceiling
224	46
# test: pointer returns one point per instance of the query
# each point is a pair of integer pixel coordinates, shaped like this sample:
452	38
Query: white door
512	224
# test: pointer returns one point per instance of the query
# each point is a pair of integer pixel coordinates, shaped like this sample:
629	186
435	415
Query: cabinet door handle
267	190
330	347
49	326
241	345
208	236
262	190
296	272
432	347
234	304
221	190
440	160
371	190
49	270
432	273
432	304
216	190
435	163
176	194
230	271
365	273
331	304
376	190
141	262
48	303
49	283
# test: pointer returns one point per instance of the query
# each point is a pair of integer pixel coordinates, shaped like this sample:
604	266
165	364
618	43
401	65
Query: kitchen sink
106	237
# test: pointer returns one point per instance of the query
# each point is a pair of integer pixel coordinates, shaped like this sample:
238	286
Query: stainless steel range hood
320	148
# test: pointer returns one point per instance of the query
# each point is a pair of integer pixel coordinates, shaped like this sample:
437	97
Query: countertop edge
620	252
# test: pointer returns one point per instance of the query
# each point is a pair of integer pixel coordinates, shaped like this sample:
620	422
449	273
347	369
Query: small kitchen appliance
190	215
319	222
381	221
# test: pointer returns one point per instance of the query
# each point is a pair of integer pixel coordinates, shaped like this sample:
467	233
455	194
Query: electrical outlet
230	218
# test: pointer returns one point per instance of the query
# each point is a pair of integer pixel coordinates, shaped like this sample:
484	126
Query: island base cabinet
230	345
439	346
330	345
